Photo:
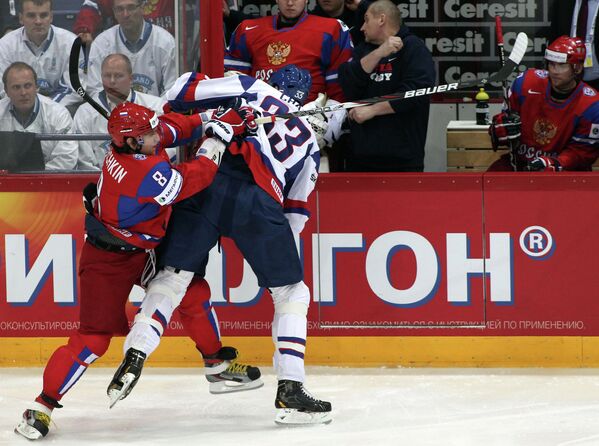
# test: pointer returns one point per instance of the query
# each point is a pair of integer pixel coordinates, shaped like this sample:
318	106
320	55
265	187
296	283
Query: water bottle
482	107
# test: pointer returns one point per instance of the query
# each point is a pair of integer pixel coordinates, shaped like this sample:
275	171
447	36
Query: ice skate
35	424
225	375
126	376
295	405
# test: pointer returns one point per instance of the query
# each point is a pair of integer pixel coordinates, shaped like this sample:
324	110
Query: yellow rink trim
362	351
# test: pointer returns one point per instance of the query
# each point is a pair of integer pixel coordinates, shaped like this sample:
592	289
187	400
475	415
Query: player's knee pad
292	299
163	295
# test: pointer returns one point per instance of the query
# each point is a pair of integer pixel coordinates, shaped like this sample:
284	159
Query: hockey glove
319	122
544	164
211	148
90	197
232	118
504	129
220	130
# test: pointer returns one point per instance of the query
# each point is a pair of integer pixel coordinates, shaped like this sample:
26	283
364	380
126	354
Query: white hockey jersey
50	62
152	58
88	120
47	117
288	161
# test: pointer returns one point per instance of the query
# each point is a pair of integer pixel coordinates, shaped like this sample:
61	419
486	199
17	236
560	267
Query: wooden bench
469	148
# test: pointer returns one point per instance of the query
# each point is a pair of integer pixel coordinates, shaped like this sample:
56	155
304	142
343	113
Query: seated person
45	48
150	49
559	114
25	110
117	78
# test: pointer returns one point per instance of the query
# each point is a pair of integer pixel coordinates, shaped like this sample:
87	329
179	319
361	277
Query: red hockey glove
249	117
231	117
545	164
504	128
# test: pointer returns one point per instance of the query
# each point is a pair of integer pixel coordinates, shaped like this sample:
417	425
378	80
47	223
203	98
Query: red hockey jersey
317	44
135	191
568	130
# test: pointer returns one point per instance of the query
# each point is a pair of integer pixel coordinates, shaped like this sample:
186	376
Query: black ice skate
126	376
225	375
34	425
296	406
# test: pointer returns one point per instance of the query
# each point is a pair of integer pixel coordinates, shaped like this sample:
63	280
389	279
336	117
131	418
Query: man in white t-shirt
24	110
117	78
45	48
150	48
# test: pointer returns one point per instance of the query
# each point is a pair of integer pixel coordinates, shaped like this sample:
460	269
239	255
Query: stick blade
519	49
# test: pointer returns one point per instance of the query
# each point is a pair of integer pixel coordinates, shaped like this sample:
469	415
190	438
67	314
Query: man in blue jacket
387	136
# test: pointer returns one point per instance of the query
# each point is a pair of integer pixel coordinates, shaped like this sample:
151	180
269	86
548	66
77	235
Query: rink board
410	270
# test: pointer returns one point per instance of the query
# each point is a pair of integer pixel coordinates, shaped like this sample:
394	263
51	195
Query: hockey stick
504	72
76	83
504	86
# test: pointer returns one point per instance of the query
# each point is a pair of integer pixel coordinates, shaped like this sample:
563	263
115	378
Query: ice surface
413	407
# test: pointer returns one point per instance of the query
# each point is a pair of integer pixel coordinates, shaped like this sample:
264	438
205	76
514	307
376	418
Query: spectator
117	78
389	135
559	115
43	46
578	18
24	110
97	15
350	12
260	46
150	49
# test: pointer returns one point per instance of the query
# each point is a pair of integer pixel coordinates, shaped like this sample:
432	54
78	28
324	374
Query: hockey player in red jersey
123	223
559	114
318	44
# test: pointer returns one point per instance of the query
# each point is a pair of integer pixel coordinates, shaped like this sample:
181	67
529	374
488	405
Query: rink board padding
404	269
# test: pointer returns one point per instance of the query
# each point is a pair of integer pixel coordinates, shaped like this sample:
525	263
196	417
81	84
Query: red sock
198	317
68	363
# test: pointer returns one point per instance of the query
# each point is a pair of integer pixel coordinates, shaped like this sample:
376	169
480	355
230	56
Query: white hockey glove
222	131
212	149
319	122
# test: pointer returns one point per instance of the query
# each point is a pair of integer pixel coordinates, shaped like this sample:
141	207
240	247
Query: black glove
504	128
90	196
544	163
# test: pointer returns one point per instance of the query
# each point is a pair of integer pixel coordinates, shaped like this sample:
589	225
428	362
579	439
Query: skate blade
28	431
118	394
221	387
293	417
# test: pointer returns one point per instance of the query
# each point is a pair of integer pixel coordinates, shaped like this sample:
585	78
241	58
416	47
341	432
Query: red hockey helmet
130	120
566	49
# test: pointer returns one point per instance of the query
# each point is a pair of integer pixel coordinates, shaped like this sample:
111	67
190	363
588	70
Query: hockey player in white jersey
150	48
45	48
117	78
259	199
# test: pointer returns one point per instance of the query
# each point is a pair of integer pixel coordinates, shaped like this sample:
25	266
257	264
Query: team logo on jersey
544	131
139	156
278	52
541	73
588	91
383	72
